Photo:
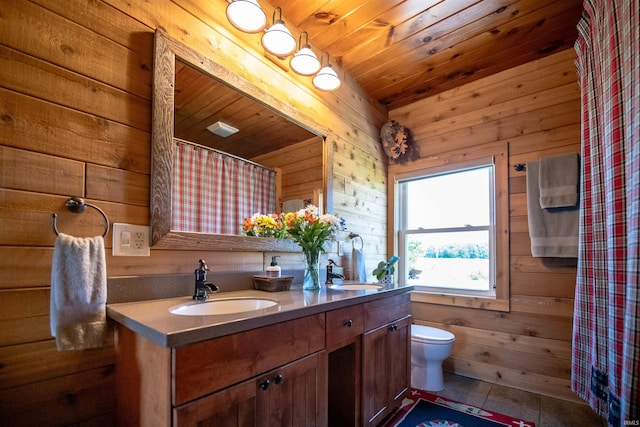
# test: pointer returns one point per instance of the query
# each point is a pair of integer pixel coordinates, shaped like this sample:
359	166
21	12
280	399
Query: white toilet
429	347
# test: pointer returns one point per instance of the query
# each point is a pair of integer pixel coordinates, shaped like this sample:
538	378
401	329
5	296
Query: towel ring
78	205
353	236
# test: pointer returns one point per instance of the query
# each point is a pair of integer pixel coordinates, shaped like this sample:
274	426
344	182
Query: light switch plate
130	240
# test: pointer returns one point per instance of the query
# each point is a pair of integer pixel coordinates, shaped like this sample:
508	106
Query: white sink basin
222	306
356	287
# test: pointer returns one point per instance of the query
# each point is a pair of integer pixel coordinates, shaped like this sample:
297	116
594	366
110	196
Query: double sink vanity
335	357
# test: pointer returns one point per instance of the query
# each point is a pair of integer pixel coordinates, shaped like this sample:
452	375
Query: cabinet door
385	369
291	396
232	407
295	394
400	368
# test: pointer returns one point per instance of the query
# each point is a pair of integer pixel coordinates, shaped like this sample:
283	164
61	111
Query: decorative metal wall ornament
397	142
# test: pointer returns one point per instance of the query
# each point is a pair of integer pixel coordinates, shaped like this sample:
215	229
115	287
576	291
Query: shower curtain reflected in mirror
213	191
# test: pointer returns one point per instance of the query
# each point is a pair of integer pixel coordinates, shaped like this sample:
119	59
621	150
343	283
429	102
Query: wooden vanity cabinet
386	357
290	396
348	366
223	377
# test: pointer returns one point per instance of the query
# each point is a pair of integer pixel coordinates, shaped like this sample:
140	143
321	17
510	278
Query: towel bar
78	205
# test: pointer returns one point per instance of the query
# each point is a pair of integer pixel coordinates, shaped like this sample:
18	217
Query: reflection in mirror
201	101
264	137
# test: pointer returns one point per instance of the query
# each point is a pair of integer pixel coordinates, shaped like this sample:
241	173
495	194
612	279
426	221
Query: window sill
461	301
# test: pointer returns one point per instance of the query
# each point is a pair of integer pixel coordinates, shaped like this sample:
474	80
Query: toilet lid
427	333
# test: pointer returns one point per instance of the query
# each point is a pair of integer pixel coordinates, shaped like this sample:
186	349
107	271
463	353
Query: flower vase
311	280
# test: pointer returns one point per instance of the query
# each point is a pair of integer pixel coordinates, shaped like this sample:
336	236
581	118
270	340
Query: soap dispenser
274	269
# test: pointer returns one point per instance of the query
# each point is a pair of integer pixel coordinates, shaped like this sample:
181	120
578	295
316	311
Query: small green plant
385	268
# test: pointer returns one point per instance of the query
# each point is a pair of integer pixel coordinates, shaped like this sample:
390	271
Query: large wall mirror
190	93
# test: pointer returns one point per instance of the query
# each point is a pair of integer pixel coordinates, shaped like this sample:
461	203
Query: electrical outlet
130	240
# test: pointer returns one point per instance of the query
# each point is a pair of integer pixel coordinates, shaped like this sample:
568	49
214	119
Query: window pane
449	260
449	200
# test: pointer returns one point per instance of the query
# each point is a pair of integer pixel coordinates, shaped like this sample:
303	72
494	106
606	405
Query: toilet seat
427	334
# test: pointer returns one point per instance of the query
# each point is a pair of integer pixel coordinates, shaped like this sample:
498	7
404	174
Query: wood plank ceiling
399	51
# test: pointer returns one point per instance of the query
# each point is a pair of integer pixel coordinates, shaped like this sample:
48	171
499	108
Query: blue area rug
424	409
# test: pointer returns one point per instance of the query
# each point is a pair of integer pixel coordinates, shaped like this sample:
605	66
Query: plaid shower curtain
606	336
213	192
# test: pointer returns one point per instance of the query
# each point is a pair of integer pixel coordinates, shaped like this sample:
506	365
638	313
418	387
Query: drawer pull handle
278	379
265	384
349	323
393	328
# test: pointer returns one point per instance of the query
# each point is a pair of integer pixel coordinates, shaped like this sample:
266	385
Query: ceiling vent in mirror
222	129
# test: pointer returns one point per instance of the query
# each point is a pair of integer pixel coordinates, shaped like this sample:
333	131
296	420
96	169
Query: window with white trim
451	235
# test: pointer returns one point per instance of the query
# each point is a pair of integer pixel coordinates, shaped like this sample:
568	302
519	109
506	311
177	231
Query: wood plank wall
75	119
536	109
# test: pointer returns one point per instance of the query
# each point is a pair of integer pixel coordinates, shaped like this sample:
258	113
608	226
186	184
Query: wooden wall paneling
17	274
534	325
553	285
24	330
24	303
33	124
549	139
358	173
527	264
75	48
31	76
553	306
504	358
117	185
25	170
84	395
107	21
39	361
542	384
501	129
531	102
183	262
502	340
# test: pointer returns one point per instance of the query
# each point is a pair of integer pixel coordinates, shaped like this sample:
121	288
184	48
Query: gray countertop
153	320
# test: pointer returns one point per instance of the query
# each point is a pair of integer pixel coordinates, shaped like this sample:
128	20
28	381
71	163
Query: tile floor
544	411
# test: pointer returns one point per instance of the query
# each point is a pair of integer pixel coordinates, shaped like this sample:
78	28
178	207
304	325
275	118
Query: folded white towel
553	232
559	177
78	292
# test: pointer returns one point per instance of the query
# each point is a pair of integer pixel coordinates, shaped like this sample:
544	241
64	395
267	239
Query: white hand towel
78	292
358	270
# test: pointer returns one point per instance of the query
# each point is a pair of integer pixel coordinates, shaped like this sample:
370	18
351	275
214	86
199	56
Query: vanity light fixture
278	40
222	129
246	15
326	79
304	62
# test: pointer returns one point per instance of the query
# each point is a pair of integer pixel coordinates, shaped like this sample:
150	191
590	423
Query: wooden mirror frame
162	236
